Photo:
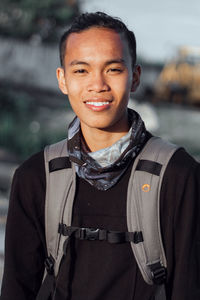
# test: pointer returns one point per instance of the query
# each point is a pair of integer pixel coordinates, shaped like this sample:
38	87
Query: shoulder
182	176
180	160
28	187
181	184
182	164
29	179
33	166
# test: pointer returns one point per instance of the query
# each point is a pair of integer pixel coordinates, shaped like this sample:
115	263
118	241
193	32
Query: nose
98	83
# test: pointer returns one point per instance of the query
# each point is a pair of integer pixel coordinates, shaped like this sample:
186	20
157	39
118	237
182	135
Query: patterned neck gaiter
109	155
104	177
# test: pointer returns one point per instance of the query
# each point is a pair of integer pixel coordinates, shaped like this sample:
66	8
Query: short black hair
98	19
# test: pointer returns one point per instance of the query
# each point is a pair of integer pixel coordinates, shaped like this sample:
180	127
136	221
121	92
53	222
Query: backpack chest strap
96	234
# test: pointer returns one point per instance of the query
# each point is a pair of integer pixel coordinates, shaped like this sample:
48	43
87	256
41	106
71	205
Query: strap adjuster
49	264
159	273
138	237
88	234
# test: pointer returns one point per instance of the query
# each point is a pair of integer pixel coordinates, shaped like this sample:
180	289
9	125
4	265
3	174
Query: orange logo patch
146	187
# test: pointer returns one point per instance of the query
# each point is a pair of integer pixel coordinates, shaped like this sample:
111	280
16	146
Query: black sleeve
25	242
180	217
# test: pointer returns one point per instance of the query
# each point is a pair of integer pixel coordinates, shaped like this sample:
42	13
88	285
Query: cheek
73	86
123	87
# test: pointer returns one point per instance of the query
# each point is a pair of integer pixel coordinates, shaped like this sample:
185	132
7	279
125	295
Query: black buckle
90	234
159	273
138	237
49	264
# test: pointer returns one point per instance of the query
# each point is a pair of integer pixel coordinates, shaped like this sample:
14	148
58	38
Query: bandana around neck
104	176
109	155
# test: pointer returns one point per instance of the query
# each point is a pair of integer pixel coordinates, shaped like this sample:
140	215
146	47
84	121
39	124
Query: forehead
95	42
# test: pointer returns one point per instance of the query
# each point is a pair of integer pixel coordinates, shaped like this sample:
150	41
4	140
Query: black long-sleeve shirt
99	270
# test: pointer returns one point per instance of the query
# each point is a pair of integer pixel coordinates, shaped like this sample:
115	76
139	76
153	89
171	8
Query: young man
98	72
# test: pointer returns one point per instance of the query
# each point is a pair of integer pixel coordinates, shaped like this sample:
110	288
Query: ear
136	78
60	74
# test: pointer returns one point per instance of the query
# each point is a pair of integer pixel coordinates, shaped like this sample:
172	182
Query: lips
98	104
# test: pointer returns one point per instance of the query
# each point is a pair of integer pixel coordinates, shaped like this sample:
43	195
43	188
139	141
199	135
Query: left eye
81	71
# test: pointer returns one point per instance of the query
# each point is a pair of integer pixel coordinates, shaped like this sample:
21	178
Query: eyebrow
116	61
109	62
78	62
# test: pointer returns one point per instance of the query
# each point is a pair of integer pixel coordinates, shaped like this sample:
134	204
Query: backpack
143	213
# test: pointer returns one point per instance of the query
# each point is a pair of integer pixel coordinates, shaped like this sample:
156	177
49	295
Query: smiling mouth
96	103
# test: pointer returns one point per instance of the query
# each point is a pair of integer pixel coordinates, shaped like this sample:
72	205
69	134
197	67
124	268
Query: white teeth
97	103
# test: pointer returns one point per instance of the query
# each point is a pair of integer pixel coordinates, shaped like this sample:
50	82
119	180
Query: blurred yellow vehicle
179	81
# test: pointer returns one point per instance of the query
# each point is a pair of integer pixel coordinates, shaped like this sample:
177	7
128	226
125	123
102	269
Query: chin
101	125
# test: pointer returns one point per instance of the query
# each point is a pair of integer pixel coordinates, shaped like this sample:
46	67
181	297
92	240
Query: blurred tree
38	20
22	131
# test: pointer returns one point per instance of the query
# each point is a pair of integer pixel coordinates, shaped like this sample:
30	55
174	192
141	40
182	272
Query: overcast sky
160	26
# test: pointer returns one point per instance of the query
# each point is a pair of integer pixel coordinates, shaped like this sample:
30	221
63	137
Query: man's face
98	78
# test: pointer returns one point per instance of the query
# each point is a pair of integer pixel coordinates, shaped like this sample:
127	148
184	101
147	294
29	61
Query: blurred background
33	112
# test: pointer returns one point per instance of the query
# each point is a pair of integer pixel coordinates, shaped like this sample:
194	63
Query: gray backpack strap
143	207
60	191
